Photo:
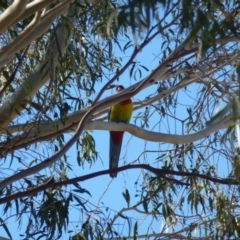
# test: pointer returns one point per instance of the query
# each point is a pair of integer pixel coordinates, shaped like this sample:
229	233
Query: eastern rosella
120	112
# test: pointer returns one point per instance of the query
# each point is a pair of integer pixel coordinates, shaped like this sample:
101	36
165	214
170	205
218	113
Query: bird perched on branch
120	112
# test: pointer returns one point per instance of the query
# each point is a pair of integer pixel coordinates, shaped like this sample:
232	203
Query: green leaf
145	205
237	172
127	45
135	231
5	228
80	202
128	220
110	49
131	69
126	196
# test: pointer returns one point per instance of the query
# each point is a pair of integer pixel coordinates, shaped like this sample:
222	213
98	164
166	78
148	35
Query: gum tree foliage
58	60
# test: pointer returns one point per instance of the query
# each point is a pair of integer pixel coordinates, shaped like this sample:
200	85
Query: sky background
107	192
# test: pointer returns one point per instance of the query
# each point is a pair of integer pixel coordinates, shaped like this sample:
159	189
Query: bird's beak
111	86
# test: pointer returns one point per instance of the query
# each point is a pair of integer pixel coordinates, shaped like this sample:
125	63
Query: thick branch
22	36
132	129
12	13
48	128
38	77
27	36
34	7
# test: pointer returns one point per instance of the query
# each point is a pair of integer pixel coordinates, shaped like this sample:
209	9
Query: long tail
114	150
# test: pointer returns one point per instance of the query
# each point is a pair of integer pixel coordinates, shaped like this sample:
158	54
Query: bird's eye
119	88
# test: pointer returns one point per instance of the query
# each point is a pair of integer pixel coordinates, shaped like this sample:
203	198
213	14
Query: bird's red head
119	88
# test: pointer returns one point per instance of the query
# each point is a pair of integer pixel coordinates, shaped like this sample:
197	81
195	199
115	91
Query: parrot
120	112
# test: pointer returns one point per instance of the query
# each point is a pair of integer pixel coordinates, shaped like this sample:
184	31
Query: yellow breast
121	112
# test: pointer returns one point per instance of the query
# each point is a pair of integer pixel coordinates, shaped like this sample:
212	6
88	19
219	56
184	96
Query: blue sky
107	192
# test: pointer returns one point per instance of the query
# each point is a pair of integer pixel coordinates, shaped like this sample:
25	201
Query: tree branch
34	7
157	171
132	129
39	76
21	37
25	38
12	13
